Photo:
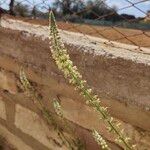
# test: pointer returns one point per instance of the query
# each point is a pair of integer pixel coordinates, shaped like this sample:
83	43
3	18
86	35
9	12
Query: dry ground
129	36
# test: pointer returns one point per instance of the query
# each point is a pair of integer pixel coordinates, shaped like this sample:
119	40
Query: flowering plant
62	59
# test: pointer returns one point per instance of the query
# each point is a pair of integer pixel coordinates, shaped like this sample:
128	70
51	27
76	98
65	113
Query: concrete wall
119	75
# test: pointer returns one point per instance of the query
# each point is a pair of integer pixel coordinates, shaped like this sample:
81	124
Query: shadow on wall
4	145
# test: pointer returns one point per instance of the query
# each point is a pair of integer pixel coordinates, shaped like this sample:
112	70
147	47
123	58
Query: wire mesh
125	21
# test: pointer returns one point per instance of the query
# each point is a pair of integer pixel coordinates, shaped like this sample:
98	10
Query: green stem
105	116
84	89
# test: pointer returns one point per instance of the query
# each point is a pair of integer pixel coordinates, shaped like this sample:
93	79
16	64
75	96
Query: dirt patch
128	36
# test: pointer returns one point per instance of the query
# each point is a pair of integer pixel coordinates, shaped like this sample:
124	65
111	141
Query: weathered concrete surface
13	140
2	109
8	82
30	123
119	70
118	74
76	111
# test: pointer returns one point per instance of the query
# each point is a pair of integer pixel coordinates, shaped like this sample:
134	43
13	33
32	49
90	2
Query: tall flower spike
62	59
52	20
72	144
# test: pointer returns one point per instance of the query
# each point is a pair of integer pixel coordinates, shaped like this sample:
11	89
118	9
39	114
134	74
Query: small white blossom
99	139
57	108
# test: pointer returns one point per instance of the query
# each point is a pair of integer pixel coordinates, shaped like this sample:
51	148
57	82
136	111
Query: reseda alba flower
62	59
99	139
73	143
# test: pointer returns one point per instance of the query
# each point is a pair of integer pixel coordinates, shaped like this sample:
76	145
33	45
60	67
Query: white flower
100	141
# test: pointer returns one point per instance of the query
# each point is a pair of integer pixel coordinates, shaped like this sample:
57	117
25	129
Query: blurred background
108	15
97	12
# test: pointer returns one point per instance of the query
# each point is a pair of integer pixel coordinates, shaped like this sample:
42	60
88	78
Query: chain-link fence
126	21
